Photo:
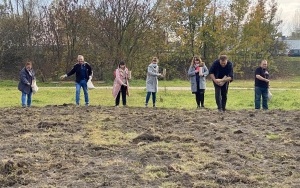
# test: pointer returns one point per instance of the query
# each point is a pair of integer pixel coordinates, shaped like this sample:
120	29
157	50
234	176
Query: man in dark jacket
221	72
262	85
83	72
25	84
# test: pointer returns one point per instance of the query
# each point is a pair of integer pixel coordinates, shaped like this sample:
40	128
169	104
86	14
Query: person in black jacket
83	72
27	76
262	85
221	72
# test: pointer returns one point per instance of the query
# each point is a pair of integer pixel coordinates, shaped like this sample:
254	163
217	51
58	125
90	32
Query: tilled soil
68	146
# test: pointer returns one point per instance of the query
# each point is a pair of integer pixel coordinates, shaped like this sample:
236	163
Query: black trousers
123	92
221	95
200	97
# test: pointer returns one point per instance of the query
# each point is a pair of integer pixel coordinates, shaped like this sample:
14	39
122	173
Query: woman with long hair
197	73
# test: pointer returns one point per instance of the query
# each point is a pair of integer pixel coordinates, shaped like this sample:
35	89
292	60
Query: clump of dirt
95	146
13	173
146	137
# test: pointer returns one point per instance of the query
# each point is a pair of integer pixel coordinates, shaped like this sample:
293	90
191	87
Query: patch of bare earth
68	146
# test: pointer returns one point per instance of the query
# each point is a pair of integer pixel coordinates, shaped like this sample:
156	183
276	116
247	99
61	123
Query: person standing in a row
83	72
261	85
221	73
197	73
152	81
121	84
27	75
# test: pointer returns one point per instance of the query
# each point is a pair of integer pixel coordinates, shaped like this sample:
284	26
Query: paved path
183	88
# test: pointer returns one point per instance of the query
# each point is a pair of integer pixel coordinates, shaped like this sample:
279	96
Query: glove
63	76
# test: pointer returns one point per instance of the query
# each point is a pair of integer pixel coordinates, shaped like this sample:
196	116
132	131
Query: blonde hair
28	63
80	56
201	64
264	60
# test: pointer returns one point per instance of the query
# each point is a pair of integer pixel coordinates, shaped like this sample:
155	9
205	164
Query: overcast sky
286	12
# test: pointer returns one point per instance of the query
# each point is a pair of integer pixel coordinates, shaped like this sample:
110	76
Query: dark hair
223	57
155	59
121	63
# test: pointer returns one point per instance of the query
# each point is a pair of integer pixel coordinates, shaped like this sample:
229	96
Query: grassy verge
293	82
237	99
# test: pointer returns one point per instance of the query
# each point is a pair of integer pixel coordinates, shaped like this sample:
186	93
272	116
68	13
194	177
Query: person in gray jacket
27	76
197	74
152	81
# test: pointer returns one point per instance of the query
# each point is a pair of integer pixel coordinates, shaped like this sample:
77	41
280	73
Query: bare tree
121	30
296	25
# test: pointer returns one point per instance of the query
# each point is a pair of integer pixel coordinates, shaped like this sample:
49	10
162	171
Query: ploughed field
95	146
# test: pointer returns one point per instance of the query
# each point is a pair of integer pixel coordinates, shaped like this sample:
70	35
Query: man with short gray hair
83	72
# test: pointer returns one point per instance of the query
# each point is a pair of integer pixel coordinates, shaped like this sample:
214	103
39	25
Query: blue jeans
83	84
153	98
261	92
26	99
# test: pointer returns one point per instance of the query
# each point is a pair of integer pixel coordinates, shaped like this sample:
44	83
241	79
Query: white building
293	44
